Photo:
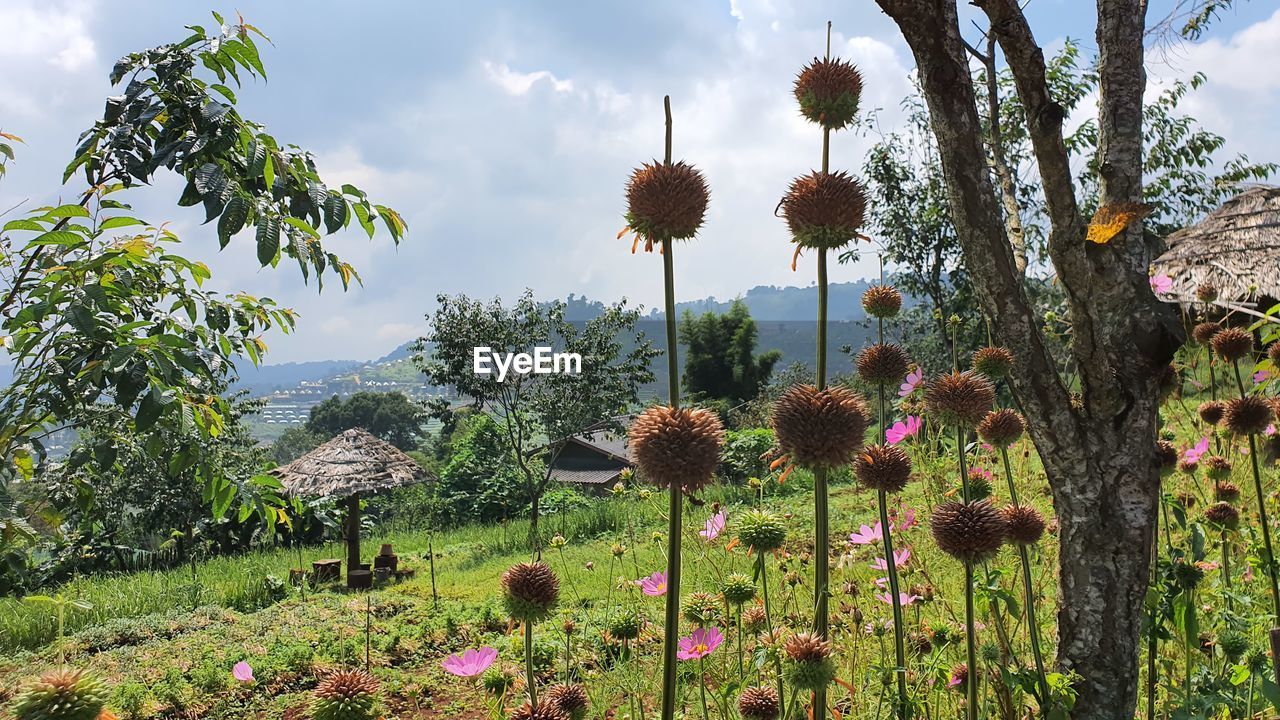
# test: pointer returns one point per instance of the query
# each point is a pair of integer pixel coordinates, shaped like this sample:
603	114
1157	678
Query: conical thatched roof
1236	247
353	462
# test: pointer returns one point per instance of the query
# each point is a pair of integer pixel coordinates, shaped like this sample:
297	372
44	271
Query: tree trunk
1097	453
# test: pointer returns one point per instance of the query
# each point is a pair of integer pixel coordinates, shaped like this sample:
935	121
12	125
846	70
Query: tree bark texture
1098	449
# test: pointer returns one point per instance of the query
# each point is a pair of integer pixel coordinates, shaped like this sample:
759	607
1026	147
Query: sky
504	132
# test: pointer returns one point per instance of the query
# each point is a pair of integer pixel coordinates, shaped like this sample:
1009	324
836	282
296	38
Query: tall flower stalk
824	211
885	468
674	447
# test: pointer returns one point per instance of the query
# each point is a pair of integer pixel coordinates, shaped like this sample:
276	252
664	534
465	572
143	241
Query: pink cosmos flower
908	521
1161	284
655	585
1271	429
1202	447
715	526
470	663
699	644
867	535
900	558
902	430
1261	376
914	378
242	672
903	598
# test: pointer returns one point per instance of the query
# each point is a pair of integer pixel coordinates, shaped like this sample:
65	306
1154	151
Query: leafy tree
538	413
390	416
481	481
102	316
720	363
294	443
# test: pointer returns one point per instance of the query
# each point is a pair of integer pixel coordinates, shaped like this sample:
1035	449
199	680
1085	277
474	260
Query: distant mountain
266	379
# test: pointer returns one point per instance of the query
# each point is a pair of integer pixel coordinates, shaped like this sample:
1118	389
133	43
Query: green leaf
268	171
57	237
232	220
67	211
23	224
335	213
118	222
268	238
303	226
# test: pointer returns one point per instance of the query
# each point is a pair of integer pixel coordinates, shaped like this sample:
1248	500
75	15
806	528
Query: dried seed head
969	532
1273	354
960	398
824	210
1166	456
1248	415
1002	428
1211	411
882	301
530	590
544	710
666	202
959	677
754	619
759	703
828	91
1223	515
994	362
1188	466
1232	344
677	446
1207	292
883	467
1217	467
1203	332
1025	524
883	364
762	530
569	699
1226	492
820	428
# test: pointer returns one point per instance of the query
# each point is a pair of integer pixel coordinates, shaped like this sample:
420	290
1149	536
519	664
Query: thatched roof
1236	247
353	462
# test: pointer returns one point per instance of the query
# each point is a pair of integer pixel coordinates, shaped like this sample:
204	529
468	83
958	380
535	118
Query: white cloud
45	40
518	83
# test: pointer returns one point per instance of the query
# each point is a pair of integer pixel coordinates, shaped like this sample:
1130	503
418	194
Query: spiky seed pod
960	677
759	703
979	484
883	467
883	364
754	619
1024	524
762	530
920	642
1203	332
994	362
1273	353
1187	466
1207	292
824	210
544	710
345	695
1187	575
1248	415
828	91
702	609
677	446
1217	467
882	301
626	625
1226	492
809	665
1166	456
1232	343
666	202
1234	645
62	695
571	700
1186	500
960	398
530	590
1002	428
969	532
1211	411
1223	515
820	428
738	589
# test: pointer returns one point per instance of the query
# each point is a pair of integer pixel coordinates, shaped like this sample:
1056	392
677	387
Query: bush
742	450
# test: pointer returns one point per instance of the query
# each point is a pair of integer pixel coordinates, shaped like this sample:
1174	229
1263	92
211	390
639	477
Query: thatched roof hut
352	464
1236	248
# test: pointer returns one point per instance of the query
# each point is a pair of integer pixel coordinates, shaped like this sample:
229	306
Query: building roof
587	476
353	462
1236	248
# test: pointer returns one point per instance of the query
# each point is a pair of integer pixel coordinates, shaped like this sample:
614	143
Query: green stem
702	686
971	646
768	621
900	648
528	664
1226	567
1028	590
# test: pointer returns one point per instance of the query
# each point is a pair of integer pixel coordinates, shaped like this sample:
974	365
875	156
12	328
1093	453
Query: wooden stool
325	570
360	579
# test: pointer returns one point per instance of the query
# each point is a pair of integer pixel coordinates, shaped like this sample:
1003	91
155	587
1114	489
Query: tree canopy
721	361
390	416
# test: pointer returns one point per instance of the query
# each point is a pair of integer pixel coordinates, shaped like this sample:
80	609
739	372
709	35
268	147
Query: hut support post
353	534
